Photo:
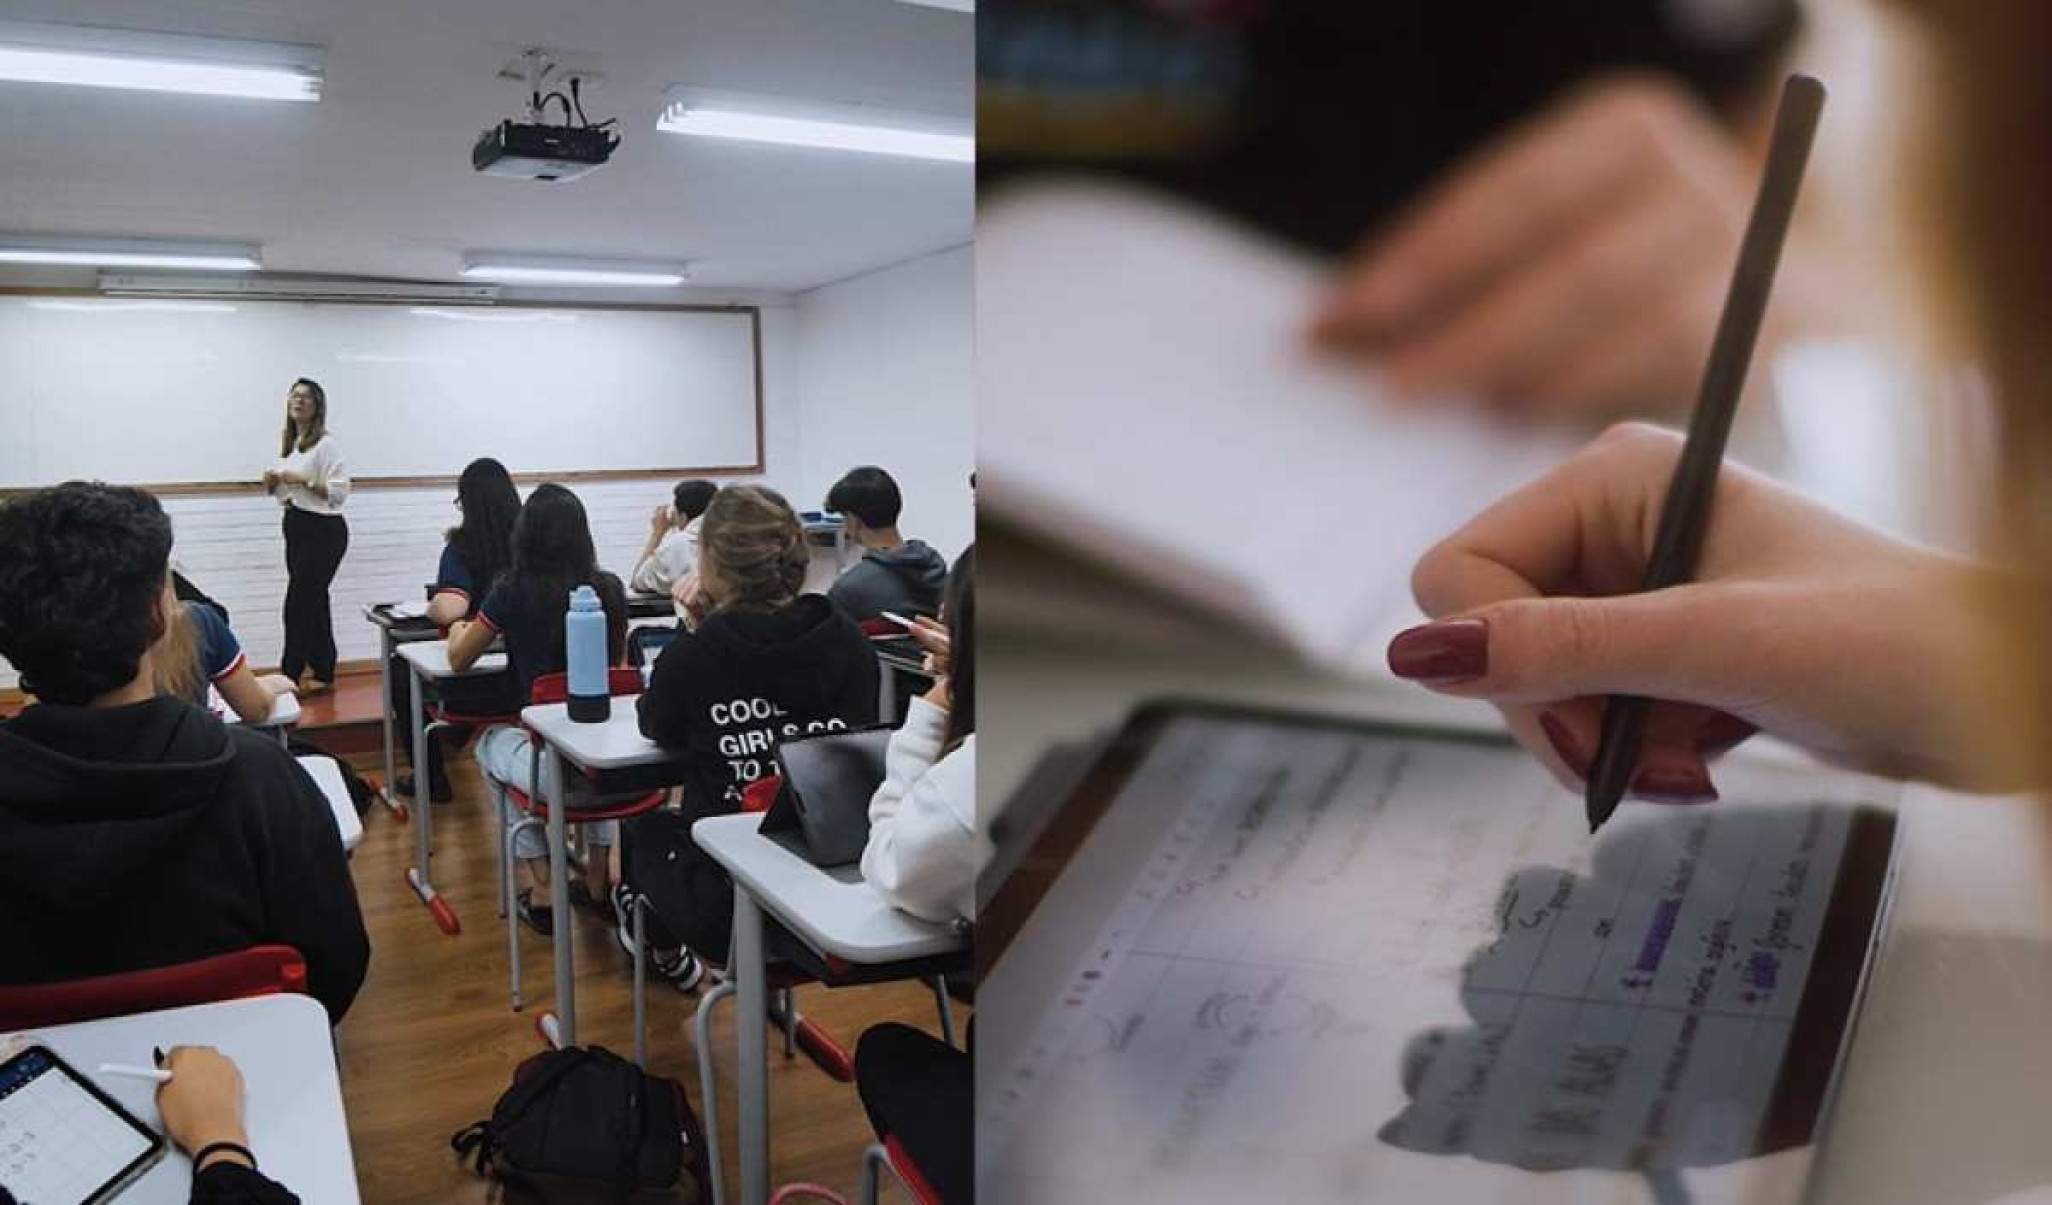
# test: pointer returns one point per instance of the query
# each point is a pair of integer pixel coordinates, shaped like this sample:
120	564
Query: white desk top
284	710
836	912
328	777
430	659
616	744
294	1105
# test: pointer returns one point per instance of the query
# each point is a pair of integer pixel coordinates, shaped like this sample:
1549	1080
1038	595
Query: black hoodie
148	835
744	680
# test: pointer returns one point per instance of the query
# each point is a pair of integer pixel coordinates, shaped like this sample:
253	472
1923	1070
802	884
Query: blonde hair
176	656
751	550
1987	183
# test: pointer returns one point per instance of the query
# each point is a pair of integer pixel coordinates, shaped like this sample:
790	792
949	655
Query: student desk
393	631
610	751
1949	1077
832	910
328	777
428	662
294	1105
283	715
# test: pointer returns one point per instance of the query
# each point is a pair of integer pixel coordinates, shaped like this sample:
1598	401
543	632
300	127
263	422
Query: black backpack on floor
584	1126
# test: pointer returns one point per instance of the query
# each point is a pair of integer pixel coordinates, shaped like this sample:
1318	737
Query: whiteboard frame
173	489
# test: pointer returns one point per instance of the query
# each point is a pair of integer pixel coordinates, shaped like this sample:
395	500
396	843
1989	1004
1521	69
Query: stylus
123	1070
1685	515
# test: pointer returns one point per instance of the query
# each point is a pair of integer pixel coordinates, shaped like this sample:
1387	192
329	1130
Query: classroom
622	355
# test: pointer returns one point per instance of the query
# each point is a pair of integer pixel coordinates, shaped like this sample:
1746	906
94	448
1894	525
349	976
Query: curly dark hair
82	566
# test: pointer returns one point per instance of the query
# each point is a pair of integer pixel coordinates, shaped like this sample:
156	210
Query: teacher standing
312	483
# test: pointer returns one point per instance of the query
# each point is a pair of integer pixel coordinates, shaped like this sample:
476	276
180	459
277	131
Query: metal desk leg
417	876
887	695
385	647
559	900
751	1069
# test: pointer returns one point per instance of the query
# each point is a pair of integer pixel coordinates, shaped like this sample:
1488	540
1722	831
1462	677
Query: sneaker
539	917
679	968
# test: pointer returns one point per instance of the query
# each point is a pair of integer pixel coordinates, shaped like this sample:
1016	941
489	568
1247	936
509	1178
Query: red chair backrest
256	971
757	796
880	627
555	688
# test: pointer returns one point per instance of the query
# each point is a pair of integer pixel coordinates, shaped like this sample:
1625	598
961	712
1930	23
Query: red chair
534	813
257	971
890	1153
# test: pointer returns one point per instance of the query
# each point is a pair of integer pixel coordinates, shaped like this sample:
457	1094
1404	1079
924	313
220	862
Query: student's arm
448	607
648	576
309	899
921	849
246	696
202	1106
665	707
468	642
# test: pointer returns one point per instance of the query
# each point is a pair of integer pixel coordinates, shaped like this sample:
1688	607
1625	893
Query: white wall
886	377
876	369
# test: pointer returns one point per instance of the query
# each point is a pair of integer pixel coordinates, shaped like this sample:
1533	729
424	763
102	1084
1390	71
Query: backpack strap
475	1143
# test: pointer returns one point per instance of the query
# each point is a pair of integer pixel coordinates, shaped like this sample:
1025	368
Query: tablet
62	1140
1269	957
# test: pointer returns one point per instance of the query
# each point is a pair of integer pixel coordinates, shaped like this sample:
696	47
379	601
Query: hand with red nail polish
1801	624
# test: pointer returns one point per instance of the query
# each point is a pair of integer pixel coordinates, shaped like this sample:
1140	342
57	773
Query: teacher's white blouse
322	464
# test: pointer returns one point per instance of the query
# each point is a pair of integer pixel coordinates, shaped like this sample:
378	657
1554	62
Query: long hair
553	555
176	657
958	612
1989	195
315	428
751	550
490	505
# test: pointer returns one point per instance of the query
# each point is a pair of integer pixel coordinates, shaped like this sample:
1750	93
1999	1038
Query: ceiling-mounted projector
542	152
530	147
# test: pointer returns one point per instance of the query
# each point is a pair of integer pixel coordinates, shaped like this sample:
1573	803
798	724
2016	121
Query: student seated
476	551
762	662
552	555
922	852
894	574
671	552
136	831
199	650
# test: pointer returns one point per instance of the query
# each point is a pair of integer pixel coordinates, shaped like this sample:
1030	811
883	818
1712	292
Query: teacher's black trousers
314	545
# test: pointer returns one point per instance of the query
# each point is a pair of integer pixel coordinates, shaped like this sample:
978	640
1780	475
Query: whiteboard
173	391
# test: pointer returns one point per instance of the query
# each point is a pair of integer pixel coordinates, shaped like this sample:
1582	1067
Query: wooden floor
431	1041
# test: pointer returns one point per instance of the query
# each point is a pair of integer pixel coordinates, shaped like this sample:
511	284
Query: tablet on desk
62	1140
1272	957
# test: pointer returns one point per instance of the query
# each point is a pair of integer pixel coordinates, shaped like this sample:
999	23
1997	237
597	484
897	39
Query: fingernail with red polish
1564	744
1721	731
1453	650
1673	784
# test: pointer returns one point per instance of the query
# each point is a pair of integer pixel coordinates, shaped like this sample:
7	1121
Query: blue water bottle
584	643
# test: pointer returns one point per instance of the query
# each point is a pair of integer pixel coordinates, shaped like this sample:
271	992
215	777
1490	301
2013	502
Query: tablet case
822	811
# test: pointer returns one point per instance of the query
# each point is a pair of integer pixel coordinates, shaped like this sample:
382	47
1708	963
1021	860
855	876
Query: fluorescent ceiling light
129	253
529	269
129	307
840	127
93	57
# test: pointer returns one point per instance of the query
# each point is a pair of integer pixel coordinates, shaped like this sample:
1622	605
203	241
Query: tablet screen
61	1141
1271	958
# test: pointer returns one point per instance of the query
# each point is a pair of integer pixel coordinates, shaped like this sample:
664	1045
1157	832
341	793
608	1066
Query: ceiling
376	180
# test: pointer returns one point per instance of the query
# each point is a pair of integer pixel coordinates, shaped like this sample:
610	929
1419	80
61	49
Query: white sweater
322	465
924	848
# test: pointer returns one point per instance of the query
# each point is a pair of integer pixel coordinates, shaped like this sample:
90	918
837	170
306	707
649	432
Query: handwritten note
1354	967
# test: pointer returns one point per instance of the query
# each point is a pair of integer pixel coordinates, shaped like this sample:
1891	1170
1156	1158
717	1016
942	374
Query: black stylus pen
1685	515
